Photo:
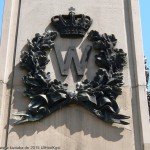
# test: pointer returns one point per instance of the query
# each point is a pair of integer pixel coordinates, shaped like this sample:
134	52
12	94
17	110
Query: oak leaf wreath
98	96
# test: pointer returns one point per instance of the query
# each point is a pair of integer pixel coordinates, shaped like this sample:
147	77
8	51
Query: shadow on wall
72	118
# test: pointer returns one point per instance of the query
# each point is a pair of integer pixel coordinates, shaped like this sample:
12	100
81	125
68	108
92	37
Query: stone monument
72	76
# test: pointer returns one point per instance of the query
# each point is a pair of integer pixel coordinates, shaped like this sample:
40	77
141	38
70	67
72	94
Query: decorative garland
98	96
147	80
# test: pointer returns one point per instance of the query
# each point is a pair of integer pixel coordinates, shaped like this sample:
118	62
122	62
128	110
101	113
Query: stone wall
73	127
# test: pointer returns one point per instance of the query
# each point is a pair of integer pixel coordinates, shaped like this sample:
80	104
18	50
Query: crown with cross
72	25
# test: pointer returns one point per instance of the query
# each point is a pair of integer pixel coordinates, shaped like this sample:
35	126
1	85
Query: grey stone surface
7	48
73	127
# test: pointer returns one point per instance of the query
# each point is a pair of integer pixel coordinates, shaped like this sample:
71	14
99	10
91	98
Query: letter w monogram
72	55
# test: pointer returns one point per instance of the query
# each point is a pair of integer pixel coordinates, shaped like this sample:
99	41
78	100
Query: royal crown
71	25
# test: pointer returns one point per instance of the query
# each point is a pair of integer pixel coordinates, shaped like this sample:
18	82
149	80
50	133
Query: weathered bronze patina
98	96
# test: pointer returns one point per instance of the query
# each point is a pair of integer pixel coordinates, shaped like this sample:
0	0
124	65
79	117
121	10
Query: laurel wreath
98	96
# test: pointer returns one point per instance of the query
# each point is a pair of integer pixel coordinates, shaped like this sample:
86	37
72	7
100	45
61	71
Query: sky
1	14
145	22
